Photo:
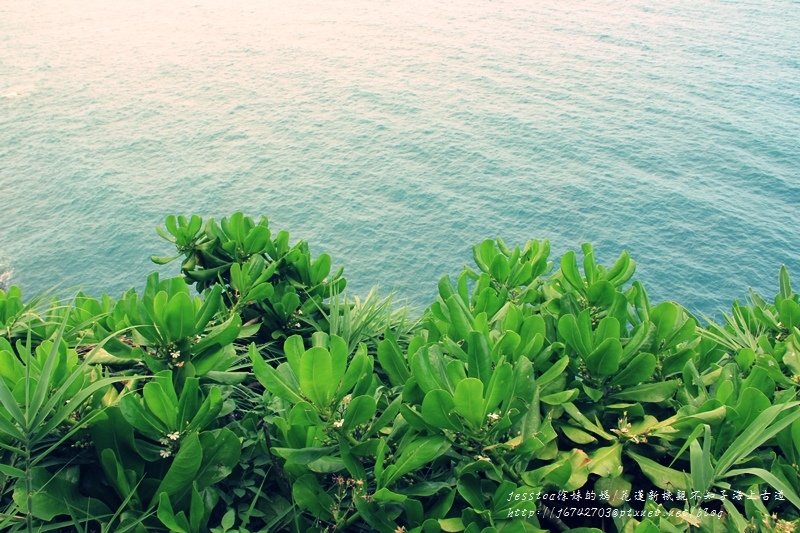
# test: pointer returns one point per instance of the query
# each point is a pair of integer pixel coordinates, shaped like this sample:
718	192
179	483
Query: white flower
174	436
338	423
165	453
346	400
175	355
494	417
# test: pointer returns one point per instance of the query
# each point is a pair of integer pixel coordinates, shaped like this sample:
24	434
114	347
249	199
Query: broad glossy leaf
316	376
221	451
158	403
176	523
569	270
460	318
468	401
438	410
479	358
500	388
559	398
577	435
649	392
601	293
604	360
640	368
415	455
271	380
54	494
308	494
360	410
179	316
392	362
554	372
130	405
617	487
184	467
427	366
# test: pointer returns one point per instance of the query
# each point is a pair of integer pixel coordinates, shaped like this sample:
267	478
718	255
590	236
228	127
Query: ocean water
394	135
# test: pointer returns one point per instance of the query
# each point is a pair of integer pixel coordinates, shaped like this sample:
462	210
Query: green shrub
524	398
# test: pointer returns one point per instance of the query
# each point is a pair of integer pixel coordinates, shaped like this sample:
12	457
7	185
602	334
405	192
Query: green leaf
577	435
358	372
661	476
784	283
270	378
765	426
179	316
649	392
701	470
320	268
479	358
391	361
772	479
499	389
221	451
256	240
469	487
166	514
360	411
559	398
414	456
460	318
451	525
438	410
641	368
554	372
135	414
500	269
616	487
163	259
183	469
606	461
468	401
789	313
54	494
569	270
11	406
604	360
308	494
10	471
228	519
601	293
158	403
646	526
427	365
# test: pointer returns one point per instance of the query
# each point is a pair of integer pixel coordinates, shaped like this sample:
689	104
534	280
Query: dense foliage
250	394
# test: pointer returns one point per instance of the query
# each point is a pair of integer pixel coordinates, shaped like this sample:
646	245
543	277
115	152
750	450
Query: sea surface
395	135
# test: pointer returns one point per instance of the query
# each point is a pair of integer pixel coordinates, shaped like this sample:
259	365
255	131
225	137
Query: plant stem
28	487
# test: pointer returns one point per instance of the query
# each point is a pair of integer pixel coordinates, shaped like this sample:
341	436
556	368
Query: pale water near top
396	135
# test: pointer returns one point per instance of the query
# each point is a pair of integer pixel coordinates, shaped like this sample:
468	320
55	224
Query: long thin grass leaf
770	478
67	409
759	431
10	404
45	378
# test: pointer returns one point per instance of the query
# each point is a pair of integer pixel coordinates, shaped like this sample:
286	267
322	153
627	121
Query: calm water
394	135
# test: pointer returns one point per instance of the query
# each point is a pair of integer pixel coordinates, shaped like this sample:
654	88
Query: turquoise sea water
394	135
